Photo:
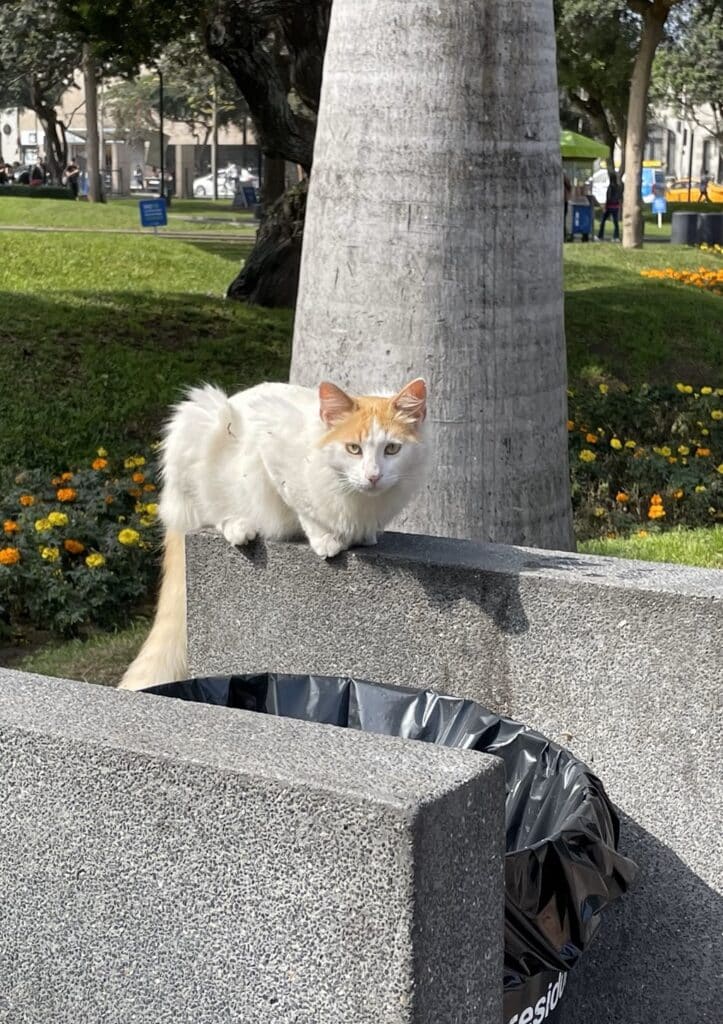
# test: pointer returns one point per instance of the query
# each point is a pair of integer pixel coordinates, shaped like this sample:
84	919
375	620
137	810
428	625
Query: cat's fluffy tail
162	658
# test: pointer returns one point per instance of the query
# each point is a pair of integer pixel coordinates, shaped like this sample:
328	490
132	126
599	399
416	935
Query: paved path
243	235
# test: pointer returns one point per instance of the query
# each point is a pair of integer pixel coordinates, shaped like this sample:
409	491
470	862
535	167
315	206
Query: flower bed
79	548
646	458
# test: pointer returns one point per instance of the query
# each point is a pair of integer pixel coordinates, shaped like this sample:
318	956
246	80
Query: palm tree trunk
433	247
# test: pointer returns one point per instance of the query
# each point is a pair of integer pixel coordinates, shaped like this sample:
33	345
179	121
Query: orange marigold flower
622	497
591	438
135	492
679	493
702	453
655	499
109	499
66	494
66	476
9	556
138	478
99	463
149	487
571	424
27	500
10	526
656	512
74	547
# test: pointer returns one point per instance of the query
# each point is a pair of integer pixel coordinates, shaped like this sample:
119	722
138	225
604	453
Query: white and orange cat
277	461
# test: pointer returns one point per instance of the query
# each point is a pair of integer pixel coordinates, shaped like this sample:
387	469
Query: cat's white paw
237	531
326	545
369	539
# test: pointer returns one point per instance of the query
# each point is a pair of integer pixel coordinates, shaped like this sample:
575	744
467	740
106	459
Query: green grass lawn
100	333
183	215
702	547
634	329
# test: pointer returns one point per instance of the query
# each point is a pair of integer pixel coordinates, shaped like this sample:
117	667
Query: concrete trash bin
710	228
562	866
684	228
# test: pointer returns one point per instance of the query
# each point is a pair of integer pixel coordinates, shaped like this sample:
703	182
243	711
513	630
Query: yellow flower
58	519
587	456
678	494
134	460
95	560
672	459
665	451
42	524
719	469
99	463
10	526
603	389
50	554
688	389
683	449
152	508
642	533
66	494
73	547
681	388
717	414
9	556
700	488
622	497
705	432
616	444
598	511
146	521
630	444
102	452
27	500
706	391
129	537
571	424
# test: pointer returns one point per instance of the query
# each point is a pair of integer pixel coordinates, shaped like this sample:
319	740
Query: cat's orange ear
334	404
411	402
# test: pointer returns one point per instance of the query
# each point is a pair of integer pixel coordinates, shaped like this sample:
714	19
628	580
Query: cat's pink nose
373	478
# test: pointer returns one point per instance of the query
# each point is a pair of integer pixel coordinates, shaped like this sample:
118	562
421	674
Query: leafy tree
37	61
596	45
688	71
652	16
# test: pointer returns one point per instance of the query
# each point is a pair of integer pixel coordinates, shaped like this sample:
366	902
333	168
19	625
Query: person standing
612	208
72	178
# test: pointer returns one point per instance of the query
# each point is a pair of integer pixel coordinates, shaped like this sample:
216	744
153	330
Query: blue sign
660	205
153	213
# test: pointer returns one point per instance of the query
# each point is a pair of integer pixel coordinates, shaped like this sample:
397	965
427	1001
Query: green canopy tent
579	148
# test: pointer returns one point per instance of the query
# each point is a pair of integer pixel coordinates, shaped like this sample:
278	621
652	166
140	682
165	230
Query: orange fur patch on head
399	416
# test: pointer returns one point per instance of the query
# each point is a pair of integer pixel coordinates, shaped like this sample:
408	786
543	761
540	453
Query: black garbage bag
562	866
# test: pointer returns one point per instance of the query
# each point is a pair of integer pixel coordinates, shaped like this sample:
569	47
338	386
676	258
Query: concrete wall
170	863
622	662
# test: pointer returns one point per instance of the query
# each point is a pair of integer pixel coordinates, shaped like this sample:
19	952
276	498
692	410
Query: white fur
251	465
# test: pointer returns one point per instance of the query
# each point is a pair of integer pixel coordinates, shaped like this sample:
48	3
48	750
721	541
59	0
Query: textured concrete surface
620	661
169	863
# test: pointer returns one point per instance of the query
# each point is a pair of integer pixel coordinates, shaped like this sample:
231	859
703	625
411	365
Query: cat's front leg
237	531
321	542
369	539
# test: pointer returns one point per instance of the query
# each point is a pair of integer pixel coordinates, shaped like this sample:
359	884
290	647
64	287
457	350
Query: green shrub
653	455
36	192
79	549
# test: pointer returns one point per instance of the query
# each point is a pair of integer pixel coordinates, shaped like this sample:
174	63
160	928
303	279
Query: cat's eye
354	449
392	449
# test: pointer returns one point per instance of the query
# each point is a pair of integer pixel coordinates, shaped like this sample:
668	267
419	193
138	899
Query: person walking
72	178
612	208
703	186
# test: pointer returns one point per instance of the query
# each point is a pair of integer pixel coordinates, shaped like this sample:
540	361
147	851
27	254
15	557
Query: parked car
226	179
677	191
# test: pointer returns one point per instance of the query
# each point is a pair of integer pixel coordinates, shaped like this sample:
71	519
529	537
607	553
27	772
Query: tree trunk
92	145
433	247
274	181
654	17
270	275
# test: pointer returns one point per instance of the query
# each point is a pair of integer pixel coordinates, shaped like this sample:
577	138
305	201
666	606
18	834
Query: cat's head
373	442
